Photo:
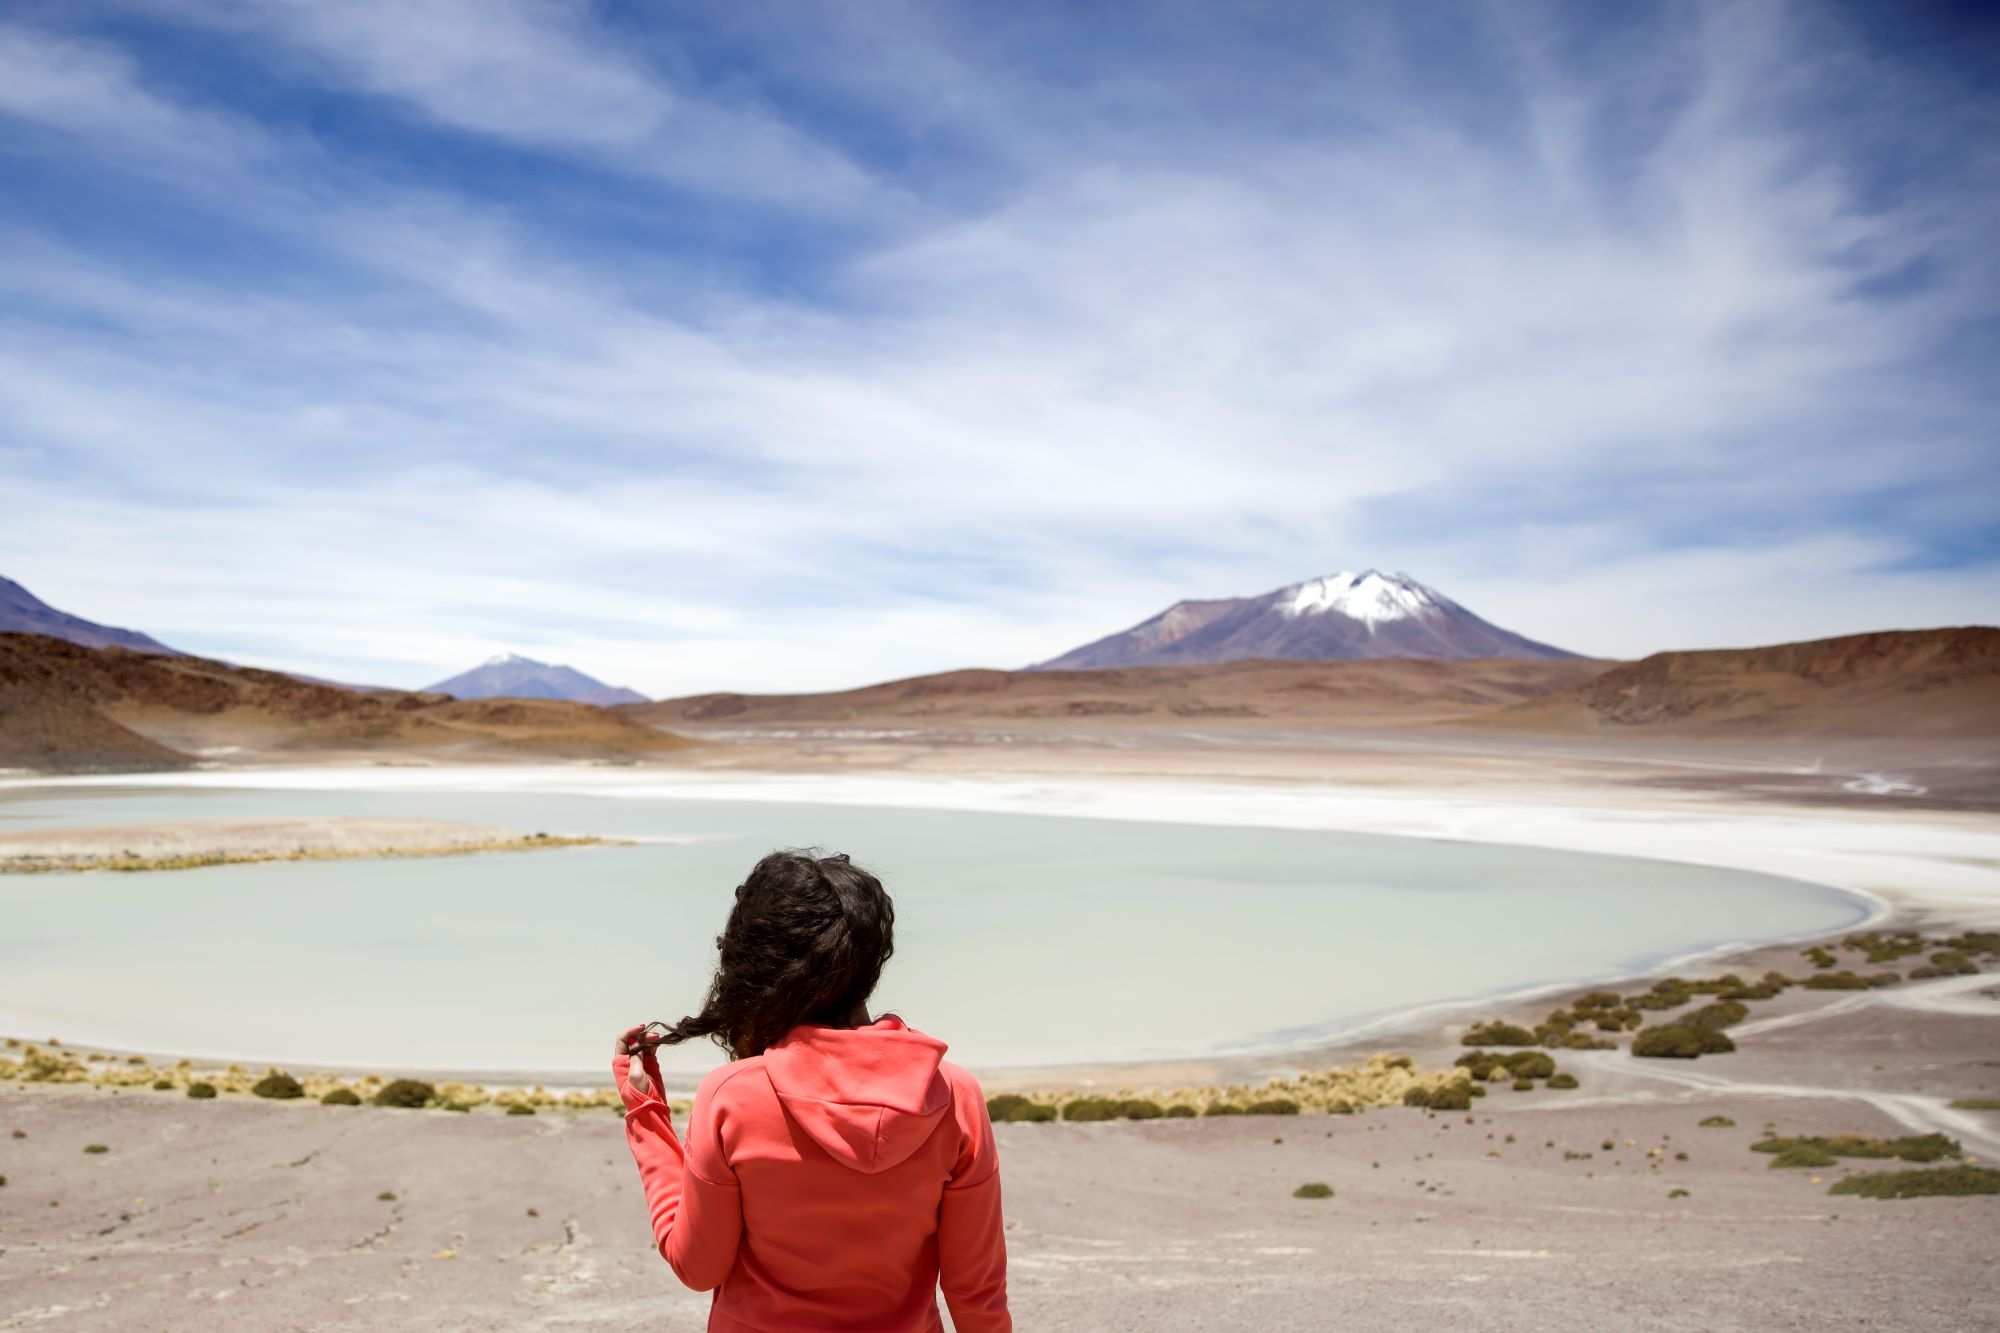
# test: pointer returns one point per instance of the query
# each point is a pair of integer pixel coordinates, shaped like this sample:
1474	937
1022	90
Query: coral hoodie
834	1182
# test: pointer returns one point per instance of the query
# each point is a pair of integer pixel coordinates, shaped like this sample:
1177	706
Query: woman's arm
696	1208
972	1240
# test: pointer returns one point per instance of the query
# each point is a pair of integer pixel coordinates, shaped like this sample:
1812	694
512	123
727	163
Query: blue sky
799	345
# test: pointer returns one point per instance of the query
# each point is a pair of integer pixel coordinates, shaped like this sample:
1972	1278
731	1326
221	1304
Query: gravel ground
241	1214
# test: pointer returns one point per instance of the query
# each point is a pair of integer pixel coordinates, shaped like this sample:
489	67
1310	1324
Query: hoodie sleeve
691	1191
972	1245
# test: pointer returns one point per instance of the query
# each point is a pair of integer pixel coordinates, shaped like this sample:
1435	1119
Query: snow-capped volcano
1339	616
1368	596
512	676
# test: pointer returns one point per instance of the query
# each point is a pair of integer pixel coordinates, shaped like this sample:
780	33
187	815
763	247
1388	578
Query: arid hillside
1350	693
1941	683
68	708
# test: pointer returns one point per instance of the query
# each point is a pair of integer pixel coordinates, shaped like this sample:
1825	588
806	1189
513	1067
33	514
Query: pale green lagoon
1022	938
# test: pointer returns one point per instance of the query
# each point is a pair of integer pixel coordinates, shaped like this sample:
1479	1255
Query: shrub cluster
1951	955
1010	1106
1947	963
1559	1029
1380	1081
1604	1010
1608	1011
1770	987
1845	980
201	1091
1714	1017
278	1086
1583	1041
1667	993
341	1097
1530	1064
1453	1096
1911	1148
1889	946
1097	1108
1975	941
1313	1189
407	1093
1490	1066
1885	946
1498	1034
1273	1106
1680	1043
1941	1180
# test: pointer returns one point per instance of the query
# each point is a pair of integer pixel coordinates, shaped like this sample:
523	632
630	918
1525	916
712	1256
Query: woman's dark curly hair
805	943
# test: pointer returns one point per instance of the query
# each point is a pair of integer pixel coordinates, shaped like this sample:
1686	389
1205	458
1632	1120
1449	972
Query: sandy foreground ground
241	1214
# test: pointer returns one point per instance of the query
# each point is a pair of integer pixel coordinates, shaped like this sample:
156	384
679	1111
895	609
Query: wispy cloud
542	76
763	354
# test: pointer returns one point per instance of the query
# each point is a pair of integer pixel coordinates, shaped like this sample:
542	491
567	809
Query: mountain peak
21	612
512	676
1342	616
1370	596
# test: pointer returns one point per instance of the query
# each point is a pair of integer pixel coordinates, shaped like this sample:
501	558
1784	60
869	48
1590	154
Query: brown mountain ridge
69	708
65	707
1939	683
1380	691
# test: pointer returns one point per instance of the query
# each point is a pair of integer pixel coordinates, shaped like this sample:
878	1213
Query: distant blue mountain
21	612
511	676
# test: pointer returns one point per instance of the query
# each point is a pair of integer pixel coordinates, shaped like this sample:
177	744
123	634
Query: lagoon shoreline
1921	868
1431	1029
1907	867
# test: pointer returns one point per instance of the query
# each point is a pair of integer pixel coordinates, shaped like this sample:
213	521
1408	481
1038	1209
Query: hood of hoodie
868	1096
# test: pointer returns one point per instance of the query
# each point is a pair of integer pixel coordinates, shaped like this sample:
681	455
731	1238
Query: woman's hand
634	1041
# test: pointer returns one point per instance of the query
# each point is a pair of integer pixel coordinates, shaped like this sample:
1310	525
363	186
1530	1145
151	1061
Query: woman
838	1171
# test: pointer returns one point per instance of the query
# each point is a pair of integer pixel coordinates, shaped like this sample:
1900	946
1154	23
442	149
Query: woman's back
838	1172
834	1182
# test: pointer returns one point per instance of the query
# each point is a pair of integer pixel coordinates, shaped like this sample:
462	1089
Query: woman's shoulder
967	1100
730	1081
961	1080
